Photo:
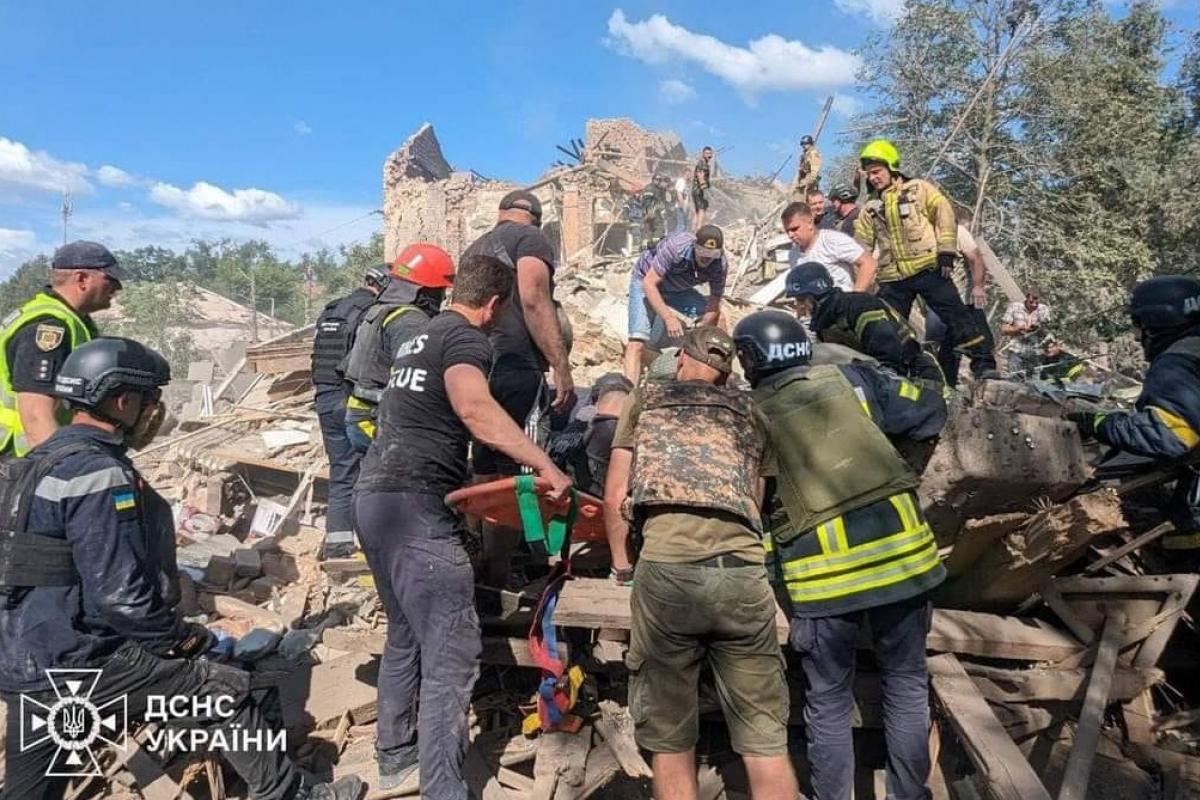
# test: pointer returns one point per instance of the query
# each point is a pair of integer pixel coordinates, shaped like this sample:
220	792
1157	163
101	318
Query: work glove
945	262
1087	422
197	640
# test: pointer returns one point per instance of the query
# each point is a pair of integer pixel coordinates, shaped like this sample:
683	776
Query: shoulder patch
48	336
124	501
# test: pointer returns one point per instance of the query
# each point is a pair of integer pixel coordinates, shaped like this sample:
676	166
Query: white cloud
301	128
22	169
770	63
16	246
881	12
206	201
845	104
115	177
675	91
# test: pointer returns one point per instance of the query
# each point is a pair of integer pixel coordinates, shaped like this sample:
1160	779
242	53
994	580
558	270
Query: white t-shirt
836	251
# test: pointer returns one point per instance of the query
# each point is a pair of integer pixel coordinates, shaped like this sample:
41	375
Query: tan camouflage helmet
712	346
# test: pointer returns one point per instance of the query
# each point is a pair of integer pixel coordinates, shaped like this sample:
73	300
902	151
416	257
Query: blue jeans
644	324
826	646
330	402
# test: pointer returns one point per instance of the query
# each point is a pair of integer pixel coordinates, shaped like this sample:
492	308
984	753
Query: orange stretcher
499	502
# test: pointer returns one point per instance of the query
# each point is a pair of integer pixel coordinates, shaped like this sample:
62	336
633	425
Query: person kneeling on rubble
420	277
1166	424
688	454
88	582
861	321
436	400
847	542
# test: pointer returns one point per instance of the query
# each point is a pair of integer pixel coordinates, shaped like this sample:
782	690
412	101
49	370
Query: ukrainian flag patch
124	500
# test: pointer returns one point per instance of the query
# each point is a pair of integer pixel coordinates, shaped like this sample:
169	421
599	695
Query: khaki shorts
684	615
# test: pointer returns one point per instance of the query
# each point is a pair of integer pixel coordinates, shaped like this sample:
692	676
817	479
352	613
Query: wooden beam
999	272
616	727
1087	732
992	752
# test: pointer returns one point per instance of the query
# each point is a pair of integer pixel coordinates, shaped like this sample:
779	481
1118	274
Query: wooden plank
482	780
616	727
573	772
553	753
602	767
992	752
1087	732
498	650
1000	685
1127	548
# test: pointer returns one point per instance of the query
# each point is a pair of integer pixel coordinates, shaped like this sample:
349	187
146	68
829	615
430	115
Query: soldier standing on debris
845	207
436	401
1023	323
861	321
663	282
688	454
528	340
1166	425
418	282
701	183
808	171
334	334
88	581
914	229
36	339
847	542
849	263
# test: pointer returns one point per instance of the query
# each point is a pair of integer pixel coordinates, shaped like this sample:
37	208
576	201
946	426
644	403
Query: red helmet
425	265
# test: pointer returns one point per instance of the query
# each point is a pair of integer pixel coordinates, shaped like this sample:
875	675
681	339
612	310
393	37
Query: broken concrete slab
991	461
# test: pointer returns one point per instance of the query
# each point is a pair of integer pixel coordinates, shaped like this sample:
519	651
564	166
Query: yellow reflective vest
43	304
910	222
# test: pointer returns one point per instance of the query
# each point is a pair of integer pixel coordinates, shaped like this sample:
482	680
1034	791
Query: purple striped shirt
675	261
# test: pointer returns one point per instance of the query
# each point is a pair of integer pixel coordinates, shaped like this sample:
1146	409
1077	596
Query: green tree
159	314
152	263
24	283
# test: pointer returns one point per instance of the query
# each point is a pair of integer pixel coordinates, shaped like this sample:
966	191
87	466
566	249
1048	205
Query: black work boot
396	765
348	788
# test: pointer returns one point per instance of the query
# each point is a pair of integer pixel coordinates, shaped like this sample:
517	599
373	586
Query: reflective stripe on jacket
910	222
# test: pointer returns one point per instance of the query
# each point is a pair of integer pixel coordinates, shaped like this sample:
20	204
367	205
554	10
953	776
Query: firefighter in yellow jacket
36	339
913	227
847	542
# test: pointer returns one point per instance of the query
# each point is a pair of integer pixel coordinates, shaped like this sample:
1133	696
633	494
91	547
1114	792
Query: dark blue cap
88	255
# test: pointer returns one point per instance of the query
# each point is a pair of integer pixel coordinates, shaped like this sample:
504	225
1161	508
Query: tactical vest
906	238
1188	346
697	445
335	332
1187	491
367	366
832	457
43	304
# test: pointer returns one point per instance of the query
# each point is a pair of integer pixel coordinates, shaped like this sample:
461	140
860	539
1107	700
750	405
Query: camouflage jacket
698	445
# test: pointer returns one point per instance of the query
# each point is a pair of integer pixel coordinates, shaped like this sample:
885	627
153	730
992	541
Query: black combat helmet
844	192
809	278
1164	308
770	341
105	365
804	140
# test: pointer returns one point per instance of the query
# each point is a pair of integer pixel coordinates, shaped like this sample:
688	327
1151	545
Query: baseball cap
709	241
711	345
525	201
88	255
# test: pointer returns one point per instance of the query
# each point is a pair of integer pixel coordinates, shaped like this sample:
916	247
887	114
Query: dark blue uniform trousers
431	660
330	402
826	646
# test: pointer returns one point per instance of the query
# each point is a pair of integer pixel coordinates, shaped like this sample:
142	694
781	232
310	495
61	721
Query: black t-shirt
420	443
510	336
36	352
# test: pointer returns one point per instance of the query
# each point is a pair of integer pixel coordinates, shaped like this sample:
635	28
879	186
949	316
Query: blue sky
171	121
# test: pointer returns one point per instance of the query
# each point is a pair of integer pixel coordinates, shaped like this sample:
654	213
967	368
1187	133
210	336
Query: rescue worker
658	212
1165	426
419	276
701	183
808	170
663	281
582	449
1059	366
36	339
847	543
913	226
844	198
88	579
861	321
335	329
436	400
688	454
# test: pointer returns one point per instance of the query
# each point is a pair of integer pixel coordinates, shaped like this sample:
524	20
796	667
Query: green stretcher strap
541	538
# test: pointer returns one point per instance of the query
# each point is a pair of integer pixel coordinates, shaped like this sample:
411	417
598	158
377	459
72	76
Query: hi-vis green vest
12	432
834	460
